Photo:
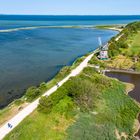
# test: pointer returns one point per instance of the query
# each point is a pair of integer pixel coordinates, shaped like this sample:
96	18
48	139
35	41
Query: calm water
130	78
29	57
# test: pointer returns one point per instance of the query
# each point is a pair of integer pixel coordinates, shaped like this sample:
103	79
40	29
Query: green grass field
134	49
134	43
125	52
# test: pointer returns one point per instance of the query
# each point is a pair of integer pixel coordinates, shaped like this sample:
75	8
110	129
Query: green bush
46	103
43	87
83	92
64	106
98	62
32	93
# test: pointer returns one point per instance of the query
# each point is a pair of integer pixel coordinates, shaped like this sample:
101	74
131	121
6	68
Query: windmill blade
100	41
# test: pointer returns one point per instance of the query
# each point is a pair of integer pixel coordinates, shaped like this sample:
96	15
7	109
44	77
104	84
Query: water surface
129	78
29	57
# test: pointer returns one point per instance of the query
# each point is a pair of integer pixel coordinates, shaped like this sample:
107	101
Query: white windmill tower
103	50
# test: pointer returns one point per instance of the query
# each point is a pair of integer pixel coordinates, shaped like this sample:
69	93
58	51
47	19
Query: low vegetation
95	61
120	62
89	106
110	27
127	45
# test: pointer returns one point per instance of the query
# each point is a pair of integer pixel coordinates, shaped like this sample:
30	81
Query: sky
70	7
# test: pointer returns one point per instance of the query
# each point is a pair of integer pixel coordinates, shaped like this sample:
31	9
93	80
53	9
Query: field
134	43
124	51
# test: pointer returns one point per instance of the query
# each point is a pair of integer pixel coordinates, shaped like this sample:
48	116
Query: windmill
103	50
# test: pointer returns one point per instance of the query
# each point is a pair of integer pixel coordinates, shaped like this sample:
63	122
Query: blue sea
31	52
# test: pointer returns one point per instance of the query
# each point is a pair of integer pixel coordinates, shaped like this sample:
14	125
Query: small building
104	52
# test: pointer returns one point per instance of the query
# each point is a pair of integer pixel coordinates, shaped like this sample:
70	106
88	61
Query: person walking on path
9	125
57	85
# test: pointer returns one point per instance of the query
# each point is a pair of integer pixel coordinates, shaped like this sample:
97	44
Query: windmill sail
100	41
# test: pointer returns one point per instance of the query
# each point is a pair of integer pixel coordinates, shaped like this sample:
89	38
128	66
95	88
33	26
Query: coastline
15	120
17	107
21	105
89	53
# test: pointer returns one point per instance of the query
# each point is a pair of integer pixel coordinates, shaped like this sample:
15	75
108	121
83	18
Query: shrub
83	92
32	93
43	87
64	106
46	103
98	62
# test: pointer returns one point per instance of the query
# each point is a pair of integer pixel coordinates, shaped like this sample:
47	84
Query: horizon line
69	15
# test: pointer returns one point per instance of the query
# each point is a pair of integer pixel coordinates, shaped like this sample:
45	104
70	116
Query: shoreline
90	54
23	105
73	65
15	120
122	71
76	59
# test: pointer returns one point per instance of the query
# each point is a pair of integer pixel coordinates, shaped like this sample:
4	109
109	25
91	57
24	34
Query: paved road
4	130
